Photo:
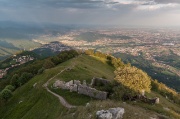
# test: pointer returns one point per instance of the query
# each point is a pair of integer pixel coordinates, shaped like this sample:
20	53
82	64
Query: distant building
168	44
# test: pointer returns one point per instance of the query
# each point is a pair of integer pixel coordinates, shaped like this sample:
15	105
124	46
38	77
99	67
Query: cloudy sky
111	12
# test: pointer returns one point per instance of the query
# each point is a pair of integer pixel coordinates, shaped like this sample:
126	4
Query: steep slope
163	75
30	102
33	101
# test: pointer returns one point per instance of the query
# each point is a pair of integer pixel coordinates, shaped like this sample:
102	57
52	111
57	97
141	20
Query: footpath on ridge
61	99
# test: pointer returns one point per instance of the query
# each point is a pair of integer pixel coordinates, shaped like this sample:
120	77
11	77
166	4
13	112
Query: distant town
148	43
17	61
154	45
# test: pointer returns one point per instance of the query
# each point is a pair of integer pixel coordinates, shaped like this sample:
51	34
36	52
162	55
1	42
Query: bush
40	71
10	87
25	77
165	91
133	78
6	94
48	64
14	80
122	92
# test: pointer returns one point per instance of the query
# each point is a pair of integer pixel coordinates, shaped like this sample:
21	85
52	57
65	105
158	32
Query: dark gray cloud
167	1
51	3
79	4
91	11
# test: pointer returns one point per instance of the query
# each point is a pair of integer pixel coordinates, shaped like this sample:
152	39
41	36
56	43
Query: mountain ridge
28	99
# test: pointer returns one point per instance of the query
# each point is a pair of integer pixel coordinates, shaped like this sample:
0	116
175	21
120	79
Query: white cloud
125	2
157	6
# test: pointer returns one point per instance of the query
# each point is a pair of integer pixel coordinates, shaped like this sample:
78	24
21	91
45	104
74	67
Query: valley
159	48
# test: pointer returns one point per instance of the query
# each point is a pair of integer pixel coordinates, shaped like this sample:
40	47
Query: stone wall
95	81
77	82
76	86
146	99
92	92
63	85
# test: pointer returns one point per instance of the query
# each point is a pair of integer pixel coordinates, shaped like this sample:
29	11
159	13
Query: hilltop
32	100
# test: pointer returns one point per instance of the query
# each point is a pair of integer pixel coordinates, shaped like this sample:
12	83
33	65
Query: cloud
167	1
87	4
152	7
89	11
51	3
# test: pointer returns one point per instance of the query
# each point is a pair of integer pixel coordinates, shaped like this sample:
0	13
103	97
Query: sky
100	12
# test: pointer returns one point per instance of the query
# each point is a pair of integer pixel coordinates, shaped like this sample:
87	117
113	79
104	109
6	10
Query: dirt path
61	99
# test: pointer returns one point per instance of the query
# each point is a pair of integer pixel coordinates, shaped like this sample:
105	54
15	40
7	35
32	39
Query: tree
89	52
55	60
14	80
25	77
10	87
48	64
133	78
6	94
40	71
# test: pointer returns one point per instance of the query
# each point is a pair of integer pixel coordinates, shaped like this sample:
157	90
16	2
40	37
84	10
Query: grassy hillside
162	75
30	102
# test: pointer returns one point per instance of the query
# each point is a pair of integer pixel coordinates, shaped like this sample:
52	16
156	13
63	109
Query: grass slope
30	102
85	68
36	102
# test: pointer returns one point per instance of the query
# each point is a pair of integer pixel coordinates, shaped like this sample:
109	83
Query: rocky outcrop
112	113
117	113
103	114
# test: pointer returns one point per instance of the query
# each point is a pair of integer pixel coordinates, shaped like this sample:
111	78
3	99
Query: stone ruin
94	81
76	86
145	99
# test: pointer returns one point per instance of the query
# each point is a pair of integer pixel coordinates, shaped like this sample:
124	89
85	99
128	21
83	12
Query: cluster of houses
56	46
76	86
3	73
19	61
23	59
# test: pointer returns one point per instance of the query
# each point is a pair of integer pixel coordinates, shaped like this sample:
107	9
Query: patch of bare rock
112	113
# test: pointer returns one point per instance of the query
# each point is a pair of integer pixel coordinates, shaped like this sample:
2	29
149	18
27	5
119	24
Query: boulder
117	113
103	114
156	100
112	113
34	85
87	104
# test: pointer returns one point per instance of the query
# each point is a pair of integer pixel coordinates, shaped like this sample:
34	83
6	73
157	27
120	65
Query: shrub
122	92
14	80
10	87
165	91
48	64
133	78
25	77
6	94
40	71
